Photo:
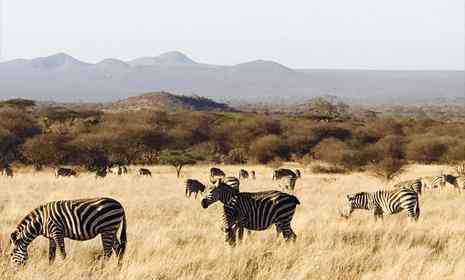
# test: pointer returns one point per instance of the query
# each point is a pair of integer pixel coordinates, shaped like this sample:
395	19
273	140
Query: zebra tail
122	239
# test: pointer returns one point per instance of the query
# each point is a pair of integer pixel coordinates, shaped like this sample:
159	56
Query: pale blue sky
366	34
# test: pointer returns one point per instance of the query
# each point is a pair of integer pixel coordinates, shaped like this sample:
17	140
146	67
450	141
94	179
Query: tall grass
171	237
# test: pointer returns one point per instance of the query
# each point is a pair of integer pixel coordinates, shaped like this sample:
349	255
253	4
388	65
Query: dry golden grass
171	237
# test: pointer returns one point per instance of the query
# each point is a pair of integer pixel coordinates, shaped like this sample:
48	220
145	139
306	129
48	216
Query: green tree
178	159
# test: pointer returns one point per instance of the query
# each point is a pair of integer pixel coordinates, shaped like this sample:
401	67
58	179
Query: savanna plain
172	237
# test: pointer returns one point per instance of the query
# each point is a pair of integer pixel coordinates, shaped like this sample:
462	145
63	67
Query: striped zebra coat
432	182
385	202
81	219
415	185
253	211
194	186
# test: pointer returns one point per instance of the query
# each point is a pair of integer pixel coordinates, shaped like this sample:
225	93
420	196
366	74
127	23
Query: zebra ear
348	197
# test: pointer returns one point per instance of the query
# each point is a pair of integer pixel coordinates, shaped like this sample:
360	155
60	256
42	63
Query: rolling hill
62	78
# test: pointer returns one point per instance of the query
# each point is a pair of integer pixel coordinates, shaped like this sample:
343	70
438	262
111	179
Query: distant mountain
165	101
62	78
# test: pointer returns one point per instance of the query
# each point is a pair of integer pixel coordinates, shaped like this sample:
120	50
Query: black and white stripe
415	185
216	173
194	186
283	172
385	202
432	182
253	211
65	172
81	219
231	181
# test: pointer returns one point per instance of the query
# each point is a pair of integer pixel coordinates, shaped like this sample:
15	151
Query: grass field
171	237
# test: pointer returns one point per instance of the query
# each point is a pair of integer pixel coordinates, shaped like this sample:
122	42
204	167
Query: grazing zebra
194	186
297	173
101	173
252	174
415	185
216	173
7	171
145	172
81	219
253	211
243	174
386	202
65	172
283	172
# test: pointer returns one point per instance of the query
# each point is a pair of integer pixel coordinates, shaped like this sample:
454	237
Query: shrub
330	150
330	169
426	150
388	168
266	148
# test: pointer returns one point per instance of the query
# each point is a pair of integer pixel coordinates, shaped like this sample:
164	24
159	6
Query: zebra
431	182
216	173
253	211
243	174
65	172
7	171
252	174
283	172
415	185
297	173
287	182
145	172
101	173
81	219
194	186
386	202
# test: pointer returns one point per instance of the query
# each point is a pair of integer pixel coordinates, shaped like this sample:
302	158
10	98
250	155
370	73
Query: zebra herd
85	219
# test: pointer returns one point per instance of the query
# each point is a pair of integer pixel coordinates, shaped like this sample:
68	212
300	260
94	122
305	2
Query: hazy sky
368	34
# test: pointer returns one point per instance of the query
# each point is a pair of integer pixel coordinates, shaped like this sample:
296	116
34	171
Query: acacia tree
178	159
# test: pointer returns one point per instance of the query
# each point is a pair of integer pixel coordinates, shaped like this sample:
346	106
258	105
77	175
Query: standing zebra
253	211
194	186
283	172
81	219
415	185
385	202
252	174
243	174
216	173
145	172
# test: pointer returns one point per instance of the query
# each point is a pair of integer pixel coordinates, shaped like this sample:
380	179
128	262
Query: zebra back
415	185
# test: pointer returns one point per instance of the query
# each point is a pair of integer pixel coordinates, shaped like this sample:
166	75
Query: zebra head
218	192
19	251
356	201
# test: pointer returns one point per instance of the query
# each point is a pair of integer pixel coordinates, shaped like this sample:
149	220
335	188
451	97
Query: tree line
50	136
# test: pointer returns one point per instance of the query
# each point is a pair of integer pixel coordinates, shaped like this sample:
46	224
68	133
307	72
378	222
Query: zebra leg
108	241
187	191
278	231
240	233
377	213
60	241
52	249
